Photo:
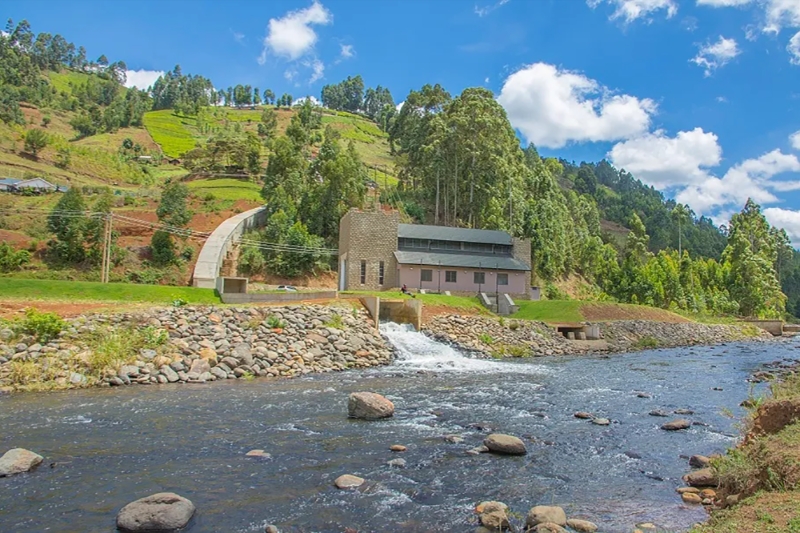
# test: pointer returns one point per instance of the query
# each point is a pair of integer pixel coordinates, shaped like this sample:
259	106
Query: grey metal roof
444	233
460	261
8	181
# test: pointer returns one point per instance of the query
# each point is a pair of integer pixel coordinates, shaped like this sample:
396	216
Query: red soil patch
605	312
16	308
18	240
431	311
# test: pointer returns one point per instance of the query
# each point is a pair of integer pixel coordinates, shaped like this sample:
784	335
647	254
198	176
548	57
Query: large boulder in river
676	425
165	511
348	481
705	477
506	444
369	406
18	460
546	514
493	515
583	526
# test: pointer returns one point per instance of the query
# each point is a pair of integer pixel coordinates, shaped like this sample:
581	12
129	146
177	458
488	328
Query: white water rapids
416	351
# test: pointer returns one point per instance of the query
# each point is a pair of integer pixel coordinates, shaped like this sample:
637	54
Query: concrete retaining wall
219	243
774	327
276	297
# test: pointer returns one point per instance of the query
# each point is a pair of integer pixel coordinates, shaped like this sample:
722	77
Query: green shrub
11	259
513	326
551	292
646	343
43	326
485	338
275	323
335	321
162	248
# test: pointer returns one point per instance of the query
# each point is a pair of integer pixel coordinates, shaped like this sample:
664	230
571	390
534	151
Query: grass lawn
64	80
468	303
550	310
226	189
170	131
29	289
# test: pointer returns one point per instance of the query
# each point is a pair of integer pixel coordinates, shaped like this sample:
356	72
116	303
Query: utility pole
106	263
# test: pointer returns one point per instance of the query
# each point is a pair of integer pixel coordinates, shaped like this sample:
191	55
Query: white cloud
752	178
553	107
292	36
630	10
787	219
238	37
317	68
713	56
347	51
665	162
486	80
483	11
794	49
782	13
723	3
142	79
794	138
722	100
302	100
400	106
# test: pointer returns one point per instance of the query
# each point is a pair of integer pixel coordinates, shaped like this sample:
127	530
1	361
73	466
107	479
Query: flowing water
106	447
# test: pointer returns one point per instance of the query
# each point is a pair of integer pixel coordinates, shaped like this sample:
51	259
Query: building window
363	272
502	279
479	278
426	275
380	273
450	276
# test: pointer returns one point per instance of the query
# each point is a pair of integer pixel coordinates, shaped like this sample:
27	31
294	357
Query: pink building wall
410	276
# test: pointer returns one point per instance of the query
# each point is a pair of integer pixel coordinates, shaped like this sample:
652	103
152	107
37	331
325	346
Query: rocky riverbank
493	337
192	345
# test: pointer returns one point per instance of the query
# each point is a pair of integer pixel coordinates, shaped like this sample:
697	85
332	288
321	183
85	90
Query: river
106	447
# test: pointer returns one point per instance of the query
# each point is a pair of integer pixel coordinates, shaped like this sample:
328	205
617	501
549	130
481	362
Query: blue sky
699	98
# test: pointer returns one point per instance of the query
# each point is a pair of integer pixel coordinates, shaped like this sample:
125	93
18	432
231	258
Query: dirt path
16	308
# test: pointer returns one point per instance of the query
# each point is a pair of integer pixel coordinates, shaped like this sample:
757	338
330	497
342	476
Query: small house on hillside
7	184
39	185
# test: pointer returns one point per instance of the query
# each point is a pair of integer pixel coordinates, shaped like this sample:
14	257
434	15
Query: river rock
658	412
583	415
258	453
601	421
548	527
271	529
200	366
699	461
708	493
505	444
18	460
369	406
348	481
582	526
693	490
493	515
397	448
170	374
705	477
544	514
397	463
690	497
165	511
676	425
684	412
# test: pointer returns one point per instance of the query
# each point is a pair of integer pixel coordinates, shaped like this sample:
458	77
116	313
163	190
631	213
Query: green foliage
44	327
35	141
68	223
185	94
11	260
170	131
162	249
172	210
335	321
275	322
485	338
646	343
552	292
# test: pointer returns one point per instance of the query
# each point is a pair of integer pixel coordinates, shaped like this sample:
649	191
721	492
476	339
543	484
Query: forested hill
445	159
